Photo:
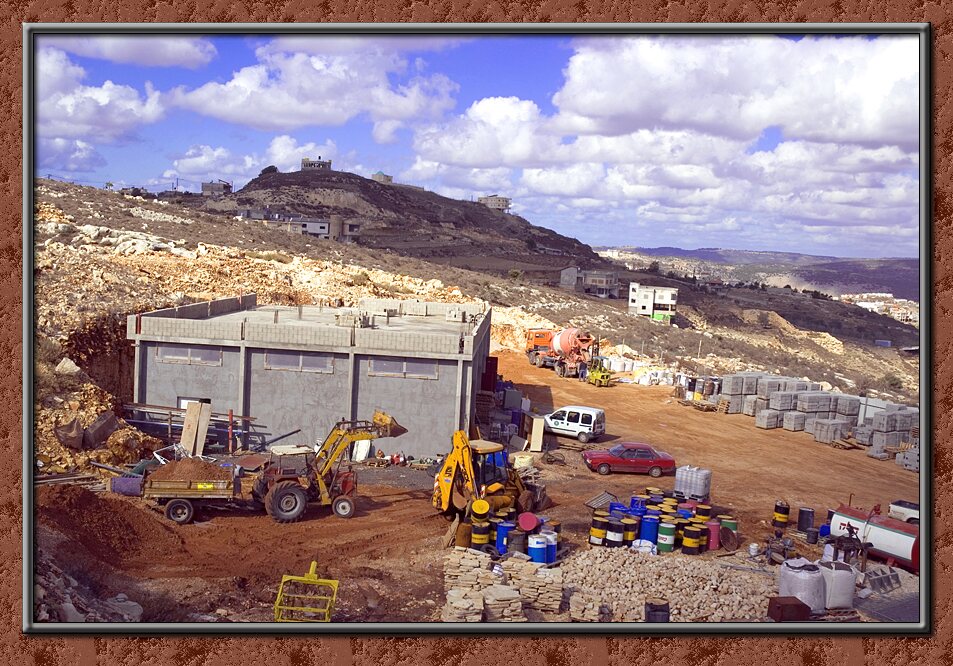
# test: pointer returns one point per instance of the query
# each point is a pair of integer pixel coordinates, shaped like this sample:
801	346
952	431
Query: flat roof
313	316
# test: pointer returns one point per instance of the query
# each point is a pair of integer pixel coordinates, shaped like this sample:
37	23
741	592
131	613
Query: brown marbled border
556	650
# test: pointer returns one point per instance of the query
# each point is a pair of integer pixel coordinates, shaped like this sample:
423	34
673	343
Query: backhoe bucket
305	598
388	425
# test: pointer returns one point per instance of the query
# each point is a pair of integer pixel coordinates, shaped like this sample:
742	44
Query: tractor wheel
603	469
583	437
343	507
180	511
286	502
655	472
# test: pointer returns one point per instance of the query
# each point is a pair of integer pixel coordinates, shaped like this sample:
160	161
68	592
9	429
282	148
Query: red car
630	457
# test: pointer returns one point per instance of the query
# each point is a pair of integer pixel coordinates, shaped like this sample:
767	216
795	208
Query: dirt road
751	467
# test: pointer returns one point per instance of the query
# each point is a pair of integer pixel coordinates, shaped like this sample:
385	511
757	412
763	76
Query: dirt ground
227	565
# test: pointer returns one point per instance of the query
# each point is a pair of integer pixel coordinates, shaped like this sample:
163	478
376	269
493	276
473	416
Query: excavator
477	469
295	477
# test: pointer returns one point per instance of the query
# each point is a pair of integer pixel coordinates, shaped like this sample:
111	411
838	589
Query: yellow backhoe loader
477	469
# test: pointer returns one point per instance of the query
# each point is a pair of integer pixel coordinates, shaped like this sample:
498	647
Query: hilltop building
382	177
307	367
308	164
604	284
496	202
657	303
216	189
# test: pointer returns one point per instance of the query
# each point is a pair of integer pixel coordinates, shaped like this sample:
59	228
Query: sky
803	144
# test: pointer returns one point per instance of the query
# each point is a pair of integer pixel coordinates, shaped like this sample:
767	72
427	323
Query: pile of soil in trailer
111	528
191	469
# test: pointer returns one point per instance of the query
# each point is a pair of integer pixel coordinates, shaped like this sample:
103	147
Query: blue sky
803	145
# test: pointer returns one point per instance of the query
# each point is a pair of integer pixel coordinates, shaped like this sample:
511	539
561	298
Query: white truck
908	512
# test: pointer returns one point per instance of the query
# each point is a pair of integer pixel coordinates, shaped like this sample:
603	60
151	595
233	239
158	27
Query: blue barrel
636	502
825	530
552	541
616	506
685	513
619	515
536	548
502	532
653	512
656	499
648	529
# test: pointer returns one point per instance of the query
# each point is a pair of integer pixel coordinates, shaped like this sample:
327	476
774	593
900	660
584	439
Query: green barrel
666	537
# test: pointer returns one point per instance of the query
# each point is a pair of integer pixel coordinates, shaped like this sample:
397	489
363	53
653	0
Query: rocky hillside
100	256
404	219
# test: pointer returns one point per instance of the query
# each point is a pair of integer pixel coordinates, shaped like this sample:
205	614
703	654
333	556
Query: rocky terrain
407	220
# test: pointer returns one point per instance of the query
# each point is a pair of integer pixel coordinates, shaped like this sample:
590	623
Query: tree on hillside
269	169
653	267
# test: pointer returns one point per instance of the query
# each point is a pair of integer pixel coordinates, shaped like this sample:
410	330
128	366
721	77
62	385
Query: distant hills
833	275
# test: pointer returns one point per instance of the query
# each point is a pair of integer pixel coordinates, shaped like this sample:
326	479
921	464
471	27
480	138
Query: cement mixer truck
561	350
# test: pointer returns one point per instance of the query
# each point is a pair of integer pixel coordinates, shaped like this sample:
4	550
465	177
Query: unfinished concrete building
657	303
307	367
307	164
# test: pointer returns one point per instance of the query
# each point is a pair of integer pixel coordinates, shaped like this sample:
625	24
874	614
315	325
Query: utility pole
700	348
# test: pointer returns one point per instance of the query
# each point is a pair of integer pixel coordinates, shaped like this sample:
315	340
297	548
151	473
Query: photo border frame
924	627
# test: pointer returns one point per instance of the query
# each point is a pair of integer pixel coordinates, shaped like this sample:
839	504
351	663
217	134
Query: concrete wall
424	406
164	383
285	400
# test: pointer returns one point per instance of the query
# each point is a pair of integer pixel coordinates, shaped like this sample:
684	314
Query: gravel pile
696	589
585	607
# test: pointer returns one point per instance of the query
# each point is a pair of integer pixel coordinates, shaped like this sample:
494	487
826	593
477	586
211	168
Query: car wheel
532	358
583	437
603	469
286	502
914	521
655	472
180	511
343	507
540	361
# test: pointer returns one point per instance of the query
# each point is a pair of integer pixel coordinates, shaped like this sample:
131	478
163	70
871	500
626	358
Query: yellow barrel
480	510
630	530
781	511
704	511
597	532
480	533
670	500
653	491
691	540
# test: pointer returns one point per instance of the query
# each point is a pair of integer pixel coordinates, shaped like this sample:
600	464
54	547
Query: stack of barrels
527	533
657	517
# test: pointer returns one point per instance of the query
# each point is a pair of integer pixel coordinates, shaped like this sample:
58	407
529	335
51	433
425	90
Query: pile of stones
468	569
503	603
584	607
463	606
698	589
540	587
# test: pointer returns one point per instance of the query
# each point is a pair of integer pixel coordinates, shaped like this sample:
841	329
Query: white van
583	423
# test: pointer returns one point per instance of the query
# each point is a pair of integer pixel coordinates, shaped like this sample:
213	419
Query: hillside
407	220
831	275
100	256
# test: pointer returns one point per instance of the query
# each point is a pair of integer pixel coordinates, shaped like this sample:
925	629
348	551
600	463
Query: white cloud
66	109
206	163
67	155
293	89
148	50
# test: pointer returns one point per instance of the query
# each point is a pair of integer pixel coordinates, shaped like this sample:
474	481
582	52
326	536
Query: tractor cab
489	464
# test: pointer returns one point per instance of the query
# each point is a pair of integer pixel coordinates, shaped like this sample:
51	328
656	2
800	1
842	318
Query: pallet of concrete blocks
908	419
809	421
909	459
827	431
814	401
769	385
886	421
502	603
463	605
749	385
736	403
540	587
880	439
863	434
768	419
846	405
584	607
748	407
794	421
783	401
878	451
796	386
733	385
466	568
760	404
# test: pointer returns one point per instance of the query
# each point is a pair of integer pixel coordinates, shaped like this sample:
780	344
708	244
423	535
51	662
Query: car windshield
617	450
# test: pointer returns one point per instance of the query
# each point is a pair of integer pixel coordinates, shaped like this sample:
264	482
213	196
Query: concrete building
496	202
308	164
216	189
308	367
654	302
382	177
604	284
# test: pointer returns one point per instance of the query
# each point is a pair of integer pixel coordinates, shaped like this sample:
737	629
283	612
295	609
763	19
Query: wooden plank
204	417
190	427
